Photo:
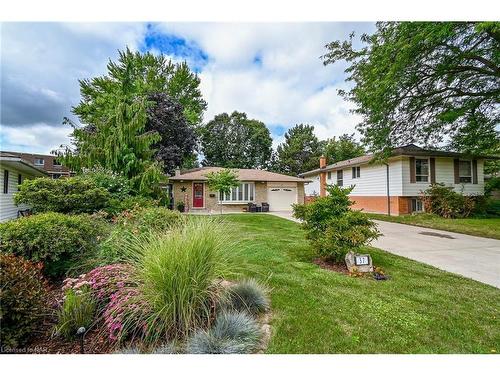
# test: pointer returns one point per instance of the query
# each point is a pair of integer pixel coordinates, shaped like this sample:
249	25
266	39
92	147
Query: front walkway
477	258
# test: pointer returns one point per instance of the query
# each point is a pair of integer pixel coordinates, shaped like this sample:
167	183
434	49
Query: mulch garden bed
331	266
43	342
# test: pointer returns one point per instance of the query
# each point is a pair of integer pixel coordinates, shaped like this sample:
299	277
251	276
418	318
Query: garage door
281	199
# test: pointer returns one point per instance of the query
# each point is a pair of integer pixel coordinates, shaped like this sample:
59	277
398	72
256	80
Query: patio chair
252	207
265	207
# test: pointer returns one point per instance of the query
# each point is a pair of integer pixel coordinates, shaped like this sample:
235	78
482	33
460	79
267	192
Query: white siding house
12	171
394	187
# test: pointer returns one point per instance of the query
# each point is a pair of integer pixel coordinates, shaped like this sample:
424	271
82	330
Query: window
329	175
340	178
56	162
416	205
39	161
19	179
244	192
422	170
465	171
5	181
356	172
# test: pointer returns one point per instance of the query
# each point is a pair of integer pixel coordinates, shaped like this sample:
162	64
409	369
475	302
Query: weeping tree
118	142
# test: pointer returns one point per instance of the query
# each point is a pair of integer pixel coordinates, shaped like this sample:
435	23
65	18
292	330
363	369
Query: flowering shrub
116	294
117	185
103	281
124	316
23	295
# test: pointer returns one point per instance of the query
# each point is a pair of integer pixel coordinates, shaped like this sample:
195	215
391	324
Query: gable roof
15	162
199	174
408	150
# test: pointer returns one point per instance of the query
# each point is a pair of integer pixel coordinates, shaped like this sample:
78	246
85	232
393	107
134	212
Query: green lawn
420	310
483	227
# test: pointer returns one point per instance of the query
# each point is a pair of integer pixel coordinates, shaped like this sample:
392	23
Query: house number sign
361	260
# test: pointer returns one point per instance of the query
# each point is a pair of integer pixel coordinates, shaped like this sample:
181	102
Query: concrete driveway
477	258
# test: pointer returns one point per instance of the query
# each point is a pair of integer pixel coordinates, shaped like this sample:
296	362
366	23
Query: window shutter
413	179
456	170
353	172
433	170
474	171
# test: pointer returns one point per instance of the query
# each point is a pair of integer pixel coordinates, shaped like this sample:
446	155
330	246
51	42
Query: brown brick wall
378	204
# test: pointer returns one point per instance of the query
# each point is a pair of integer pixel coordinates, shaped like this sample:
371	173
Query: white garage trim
281	198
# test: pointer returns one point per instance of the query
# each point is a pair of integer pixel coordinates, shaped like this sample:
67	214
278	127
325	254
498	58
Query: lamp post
81	333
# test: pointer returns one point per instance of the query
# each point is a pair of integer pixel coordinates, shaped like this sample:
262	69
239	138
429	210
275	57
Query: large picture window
243	193
422	170
465	171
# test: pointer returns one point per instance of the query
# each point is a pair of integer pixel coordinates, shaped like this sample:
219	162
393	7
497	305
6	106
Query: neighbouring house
394	187
256	186
48	163
13	170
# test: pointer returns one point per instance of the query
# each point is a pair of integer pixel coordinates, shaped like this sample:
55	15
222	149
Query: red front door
198	195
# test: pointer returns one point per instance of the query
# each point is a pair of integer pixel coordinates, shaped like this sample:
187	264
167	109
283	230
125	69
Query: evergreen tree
299	152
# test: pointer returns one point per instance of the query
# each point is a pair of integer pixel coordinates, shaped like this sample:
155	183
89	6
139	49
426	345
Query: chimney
177	171
322	176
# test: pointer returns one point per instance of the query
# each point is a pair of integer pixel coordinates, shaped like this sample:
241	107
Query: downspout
388	194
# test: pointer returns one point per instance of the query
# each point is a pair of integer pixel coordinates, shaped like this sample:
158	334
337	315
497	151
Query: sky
271	71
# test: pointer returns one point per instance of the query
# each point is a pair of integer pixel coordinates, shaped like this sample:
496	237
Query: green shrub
128	225
348	232
72	195
248	296
232	333
443	201
143	220
332	227
117	185
129	203
176	275
77	311
23	294
491	185
58	240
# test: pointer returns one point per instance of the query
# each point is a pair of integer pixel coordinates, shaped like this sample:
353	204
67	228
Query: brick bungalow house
256	186
393	188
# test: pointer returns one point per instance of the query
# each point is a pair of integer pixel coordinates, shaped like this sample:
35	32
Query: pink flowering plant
104	281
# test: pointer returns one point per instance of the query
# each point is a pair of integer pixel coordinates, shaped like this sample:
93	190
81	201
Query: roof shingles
199	174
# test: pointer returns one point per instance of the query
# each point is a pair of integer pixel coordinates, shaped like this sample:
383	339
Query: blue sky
271	71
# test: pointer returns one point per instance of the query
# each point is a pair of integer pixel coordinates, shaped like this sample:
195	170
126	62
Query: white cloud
288	85
36	138
271	71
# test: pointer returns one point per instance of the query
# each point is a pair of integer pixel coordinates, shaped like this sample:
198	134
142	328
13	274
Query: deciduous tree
235	141
342	148
424	82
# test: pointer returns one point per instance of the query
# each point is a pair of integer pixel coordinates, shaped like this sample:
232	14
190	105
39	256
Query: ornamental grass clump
177	276
247	296
78	310
232	333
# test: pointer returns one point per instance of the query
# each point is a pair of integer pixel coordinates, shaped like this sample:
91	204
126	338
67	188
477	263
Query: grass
482	227
419	310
